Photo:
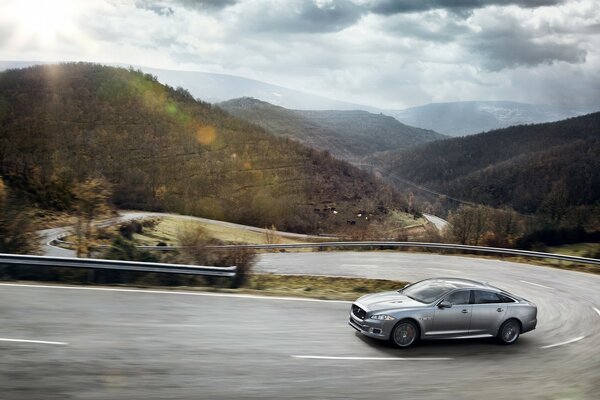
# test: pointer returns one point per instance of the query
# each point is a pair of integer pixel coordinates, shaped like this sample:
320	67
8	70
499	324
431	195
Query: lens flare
206	135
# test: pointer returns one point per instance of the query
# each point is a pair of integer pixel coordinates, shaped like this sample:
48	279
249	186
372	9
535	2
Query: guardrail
446	246
90	263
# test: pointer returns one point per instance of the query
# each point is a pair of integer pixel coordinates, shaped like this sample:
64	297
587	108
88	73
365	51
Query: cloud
428	26
166	7
154	7
204	5
506	41
390	7
298	16
389	54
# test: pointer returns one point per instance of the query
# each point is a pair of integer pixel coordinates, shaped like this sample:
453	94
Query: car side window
460	297
483	297
506	299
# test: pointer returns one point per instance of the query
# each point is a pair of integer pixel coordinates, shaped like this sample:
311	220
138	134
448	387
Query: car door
454	320
488	313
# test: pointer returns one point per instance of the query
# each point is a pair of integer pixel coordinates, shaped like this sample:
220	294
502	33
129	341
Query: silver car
443	308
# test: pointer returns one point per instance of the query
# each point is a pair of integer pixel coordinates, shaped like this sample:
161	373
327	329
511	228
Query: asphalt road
439	223
152	345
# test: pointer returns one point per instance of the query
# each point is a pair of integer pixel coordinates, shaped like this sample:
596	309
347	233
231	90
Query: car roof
461	283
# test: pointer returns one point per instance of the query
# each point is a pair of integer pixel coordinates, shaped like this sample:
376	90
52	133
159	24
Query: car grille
358	312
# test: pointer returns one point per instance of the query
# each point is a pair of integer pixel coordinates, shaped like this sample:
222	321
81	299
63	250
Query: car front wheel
404	334
509	331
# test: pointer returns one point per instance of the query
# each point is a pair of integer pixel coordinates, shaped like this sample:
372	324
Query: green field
167	228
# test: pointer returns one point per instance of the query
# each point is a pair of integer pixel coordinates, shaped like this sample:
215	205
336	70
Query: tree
461	224
17	234
91	200
556	204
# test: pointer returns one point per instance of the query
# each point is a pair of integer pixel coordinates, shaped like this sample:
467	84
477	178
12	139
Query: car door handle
464	311
499	309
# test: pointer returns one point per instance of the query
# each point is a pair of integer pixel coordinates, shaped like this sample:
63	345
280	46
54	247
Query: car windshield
427	291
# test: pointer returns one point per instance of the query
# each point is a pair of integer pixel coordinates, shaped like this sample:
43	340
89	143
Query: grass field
167	228
578	249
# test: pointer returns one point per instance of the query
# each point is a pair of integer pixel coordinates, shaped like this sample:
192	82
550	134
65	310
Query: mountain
163	150
469	117
547	167
349	135
214	88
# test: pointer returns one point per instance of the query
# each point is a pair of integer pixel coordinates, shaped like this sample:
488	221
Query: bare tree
17	234
91	200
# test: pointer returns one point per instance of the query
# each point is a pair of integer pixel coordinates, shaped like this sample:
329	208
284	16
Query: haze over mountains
469	117
349	135
215	88
452	118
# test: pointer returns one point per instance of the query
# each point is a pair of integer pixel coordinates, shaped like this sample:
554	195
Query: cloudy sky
385	53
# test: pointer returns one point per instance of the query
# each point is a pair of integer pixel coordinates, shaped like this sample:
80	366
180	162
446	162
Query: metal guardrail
90	263
446	246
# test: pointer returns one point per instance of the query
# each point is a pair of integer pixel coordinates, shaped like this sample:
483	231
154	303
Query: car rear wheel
509	331
404	334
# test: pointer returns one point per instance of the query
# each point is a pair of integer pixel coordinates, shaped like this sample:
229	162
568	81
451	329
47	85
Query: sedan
443	308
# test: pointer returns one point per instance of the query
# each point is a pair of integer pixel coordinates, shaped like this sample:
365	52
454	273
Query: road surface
439	223
96	343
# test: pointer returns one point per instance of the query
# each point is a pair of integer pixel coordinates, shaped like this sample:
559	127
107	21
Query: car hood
386	301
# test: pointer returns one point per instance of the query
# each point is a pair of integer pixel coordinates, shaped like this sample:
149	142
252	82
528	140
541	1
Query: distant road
439	223
48	235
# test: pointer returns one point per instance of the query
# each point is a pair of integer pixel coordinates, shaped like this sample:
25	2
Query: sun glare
42	21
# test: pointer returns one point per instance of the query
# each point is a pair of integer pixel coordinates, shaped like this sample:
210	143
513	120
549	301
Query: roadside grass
44	219
577	249
304	286
320	287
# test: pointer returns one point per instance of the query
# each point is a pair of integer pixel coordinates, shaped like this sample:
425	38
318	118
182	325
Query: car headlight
382	317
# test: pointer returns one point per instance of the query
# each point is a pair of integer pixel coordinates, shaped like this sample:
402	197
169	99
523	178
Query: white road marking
33	341
374	358
595	309
360	265
537	284
174	292
562	343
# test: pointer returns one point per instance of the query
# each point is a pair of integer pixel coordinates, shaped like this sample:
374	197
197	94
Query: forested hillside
349	135
163	150
548	168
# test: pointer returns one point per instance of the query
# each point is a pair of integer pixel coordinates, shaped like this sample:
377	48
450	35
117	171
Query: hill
163	150
470	117
349	135
214	88
544	168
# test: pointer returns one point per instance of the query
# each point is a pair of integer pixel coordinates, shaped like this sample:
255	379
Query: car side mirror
445	304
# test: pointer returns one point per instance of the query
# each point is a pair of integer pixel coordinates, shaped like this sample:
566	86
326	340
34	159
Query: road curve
48	235
132	344
439	223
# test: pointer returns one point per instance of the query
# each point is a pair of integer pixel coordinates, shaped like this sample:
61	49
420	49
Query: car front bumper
372	328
